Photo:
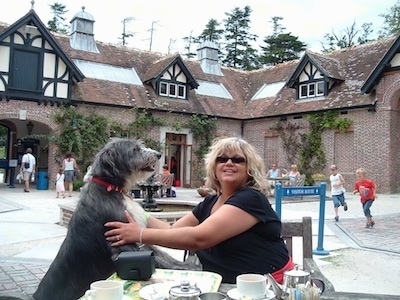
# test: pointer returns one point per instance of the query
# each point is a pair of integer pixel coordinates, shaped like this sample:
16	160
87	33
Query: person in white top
70	168
28	164
274	172
337	191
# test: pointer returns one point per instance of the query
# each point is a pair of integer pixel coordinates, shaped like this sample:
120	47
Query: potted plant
319	177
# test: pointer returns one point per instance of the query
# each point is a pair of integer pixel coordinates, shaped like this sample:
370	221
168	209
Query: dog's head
122	162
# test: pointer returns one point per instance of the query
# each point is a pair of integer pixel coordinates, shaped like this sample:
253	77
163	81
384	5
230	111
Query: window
25	75
173	90
311	89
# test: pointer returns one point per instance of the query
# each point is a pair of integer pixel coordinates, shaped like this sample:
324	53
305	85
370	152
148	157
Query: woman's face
231	168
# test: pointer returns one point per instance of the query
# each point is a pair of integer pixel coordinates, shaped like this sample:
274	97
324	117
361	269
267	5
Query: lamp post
29	127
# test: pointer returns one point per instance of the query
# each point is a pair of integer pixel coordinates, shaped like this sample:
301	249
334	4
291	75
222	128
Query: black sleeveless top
258	250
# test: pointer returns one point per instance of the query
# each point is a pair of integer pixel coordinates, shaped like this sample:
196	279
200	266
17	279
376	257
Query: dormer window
311	89
173	90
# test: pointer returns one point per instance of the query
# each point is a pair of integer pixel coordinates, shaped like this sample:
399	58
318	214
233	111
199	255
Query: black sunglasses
235	159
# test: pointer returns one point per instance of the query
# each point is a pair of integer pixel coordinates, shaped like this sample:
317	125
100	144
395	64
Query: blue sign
301	191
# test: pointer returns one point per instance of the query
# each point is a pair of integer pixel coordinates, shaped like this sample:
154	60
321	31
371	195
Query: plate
234	295
155	291
205	281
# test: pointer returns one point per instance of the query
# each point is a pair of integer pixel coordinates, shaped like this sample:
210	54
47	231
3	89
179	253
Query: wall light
29	127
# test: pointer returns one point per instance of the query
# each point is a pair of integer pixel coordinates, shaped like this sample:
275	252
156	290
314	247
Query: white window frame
319	84
311	90
173	90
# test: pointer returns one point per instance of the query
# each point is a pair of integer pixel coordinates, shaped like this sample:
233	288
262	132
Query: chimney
207	54
82	36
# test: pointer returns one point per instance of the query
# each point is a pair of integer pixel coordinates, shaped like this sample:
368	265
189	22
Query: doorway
177	159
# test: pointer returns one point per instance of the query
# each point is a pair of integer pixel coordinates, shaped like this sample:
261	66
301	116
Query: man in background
28	164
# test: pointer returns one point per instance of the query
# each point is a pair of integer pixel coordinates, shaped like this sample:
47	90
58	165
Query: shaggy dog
85	255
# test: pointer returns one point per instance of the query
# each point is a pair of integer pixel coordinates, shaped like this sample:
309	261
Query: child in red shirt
367	190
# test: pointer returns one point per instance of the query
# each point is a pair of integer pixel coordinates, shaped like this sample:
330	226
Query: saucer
234	295
155	291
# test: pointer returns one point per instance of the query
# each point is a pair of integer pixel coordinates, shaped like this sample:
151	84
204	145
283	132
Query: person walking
70	168
337	191
60	186
28	165
367	190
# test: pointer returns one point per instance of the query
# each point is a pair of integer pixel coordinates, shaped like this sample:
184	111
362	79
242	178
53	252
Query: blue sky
172	20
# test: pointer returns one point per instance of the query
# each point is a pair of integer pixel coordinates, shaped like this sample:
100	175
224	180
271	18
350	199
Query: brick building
40	70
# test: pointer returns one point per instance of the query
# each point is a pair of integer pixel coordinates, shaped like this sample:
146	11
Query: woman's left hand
123	233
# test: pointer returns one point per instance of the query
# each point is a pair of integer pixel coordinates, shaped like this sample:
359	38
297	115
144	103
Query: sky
172	20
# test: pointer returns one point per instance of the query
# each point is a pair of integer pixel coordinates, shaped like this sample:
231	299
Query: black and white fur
85	255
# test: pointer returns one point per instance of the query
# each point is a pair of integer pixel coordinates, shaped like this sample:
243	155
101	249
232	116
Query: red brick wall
373	142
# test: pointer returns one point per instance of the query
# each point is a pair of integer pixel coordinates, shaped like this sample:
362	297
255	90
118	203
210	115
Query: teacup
252	285
105	290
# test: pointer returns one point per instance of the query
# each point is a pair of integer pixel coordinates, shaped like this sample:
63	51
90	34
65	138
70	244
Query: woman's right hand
123	233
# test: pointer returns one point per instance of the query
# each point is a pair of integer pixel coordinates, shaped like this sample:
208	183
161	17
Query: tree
57	23
350	37
281	47
391	22
211	32
238	51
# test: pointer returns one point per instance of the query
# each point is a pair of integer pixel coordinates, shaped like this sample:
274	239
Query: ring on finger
118	237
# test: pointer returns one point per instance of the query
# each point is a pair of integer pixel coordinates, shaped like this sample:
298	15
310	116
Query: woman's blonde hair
255	164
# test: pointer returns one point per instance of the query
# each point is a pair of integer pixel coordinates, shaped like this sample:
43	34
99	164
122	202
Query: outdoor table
279	178
330	295
132	288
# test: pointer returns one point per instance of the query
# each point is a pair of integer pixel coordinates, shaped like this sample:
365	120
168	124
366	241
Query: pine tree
211	32
238	51
57	23
280	47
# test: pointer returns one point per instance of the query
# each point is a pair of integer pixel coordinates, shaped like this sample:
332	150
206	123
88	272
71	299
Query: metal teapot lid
184	290
296	272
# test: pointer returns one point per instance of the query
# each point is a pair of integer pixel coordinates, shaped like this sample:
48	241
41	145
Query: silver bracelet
141	236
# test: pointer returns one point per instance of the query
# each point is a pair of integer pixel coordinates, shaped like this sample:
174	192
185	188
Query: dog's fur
85	255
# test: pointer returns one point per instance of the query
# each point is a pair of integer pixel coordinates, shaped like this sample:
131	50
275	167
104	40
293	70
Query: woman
293	175
234	231
70	168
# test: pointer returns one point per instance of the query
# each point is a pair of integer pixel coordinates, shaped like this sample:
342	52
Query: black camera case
135	265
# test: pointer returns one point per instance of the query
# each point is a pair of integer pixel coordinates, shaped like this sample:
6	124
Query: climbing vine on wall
307	148
291	139
84	135
144	122
203	129
312	154
80	134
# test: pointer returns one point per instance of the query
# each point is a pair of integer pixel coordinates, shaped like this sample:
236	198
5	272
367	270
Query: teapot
184	291
295	280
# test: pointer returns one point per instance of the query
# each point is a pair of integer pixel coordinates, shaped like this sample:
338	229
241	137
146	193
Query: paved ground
358	259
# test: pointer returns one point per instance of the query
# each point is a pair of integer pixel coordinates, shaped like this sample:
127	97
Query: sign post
300	191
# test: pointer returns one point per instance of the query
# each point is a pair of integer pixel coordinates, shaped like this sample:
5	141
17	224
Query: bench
303	230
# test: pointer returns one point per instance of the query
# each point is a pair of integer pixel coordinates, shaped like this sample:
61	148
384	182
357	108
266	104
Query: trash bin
42	182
